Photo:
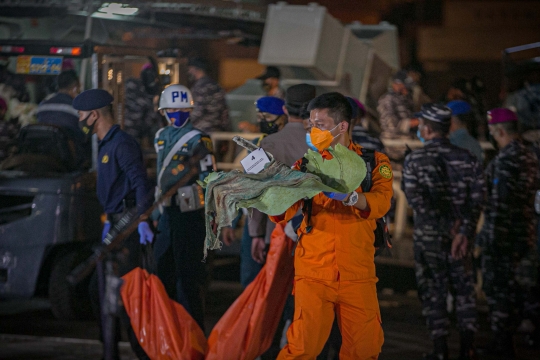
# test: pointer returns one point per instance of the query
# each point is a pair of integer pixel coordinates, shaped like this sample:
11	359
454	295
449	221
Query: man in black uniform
122	184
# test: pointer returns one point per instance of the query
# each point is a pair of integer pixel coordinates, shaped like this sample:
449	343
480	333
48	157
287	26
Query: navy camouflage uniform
395	111
362	137
508	236
210	112
140	119
532	139
179	245
444	186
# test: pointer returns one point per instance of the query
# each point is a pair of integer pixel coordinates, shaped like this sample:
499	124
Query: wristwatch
353	198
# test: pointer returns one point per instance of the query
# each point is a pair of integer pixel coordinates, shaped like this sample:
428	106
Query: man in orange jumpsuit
334	258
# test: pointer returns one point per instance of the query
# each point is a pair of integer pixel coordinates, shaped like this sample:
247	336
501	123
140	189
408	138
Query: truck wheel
68	302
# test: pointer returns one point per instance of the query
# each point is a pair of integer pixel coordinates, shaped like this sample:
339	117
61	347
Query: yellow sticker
175	157
385	171
208	144
161	142
105	159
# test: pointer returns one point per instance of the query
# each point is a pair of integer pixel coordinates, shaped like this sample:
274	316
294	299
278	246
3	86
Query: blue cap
92	99
271	105
459	107
435	112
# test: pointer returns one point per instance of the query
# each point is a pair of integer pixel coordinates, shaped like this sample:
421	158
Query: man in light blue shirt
459	135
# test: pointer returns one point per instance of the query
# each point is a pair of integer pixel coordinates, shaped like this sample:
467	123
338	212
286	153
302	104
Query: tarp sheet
277	187
163	327
246	330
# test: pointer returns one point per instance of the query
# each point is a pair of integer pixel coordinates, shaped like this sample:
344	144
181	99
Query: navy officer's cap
92	99
435	112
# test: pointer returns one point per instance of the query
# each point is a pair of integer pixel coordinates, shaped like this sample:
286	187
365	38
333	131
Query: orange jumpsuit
335	272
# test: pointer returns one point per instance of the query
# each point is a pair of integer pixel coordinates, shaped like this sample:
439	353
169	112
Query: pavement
28	330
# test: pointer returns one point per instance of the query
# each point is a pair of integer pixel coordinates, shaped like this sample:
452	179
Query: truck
49	220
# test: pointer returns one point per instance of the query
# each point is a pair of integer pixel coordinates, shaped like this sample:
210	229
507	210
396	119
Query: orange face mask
322	139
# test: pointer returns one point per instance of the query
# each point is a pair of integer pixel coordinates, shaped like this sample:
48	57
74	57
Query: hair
337	105
511	127
465	119
106	111
437	127
198	63
67	79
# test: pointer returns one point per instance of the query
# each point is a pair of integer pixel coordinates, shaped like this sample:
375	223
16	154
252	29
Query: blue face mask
177	118
420	136
309	143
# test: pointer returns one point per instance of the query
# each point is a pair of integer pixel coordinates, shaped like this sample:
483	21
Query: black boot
467	350
440	350
502	346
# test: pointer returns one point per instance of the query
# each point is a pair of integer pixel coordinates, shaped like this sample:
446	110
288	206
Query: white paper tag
255	161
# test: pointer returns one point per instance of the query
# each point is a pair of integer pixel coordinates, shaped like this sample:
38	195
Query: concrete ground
28	329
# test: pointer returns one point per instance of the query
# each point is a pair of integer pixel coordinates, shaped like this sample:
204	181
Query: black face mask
493	141
87	129
269	127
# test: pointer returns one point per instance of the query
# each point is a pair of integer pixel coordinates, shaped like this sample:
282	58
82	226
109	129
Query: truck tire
68	302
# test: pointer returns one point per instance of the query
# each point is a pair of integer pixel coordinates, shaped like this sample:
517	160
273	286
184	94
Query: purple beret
501	115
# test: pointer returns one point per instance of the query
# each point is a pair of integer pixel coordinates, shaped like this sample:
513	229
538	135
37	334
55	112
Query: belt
128	205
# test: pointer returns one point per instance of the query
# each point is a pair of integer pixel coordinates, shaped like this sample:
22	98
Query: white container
305	36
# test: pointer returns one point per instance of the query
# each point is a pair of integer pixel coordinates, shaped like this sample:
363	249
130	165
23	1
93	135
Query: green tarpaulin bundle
277	187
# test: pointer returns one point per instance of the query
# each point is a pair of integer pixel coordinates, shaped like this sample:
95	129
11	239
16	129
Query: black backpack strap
369	157
308	203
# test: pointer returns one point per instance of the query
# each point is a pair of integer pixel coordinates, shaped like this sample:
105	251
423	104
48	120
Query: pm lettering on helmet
179	94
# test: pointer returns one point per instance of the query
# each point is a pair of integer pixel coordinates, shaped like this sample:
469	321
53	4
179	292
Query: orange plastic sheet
247	329
164	328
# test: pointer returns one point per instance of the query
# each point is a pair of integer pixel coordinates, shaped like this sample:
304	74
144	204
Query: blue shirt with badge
200	143
121	173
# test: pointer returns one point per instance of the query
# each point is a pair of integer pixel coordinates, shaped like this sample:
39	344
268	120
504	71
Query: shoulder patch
385	171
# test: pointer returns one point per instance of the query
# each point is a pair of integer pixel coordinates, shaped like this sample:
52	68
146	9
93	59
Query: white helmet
175	97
